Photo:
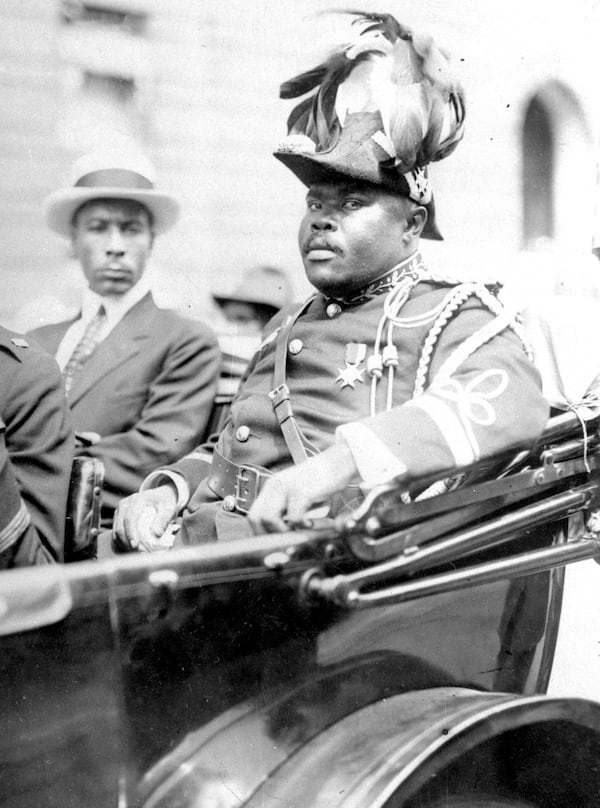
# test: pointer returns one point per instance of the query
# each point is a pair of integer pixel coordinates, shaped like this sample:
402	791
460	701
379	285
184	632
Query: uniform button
296	346
229	503
242	433
333	309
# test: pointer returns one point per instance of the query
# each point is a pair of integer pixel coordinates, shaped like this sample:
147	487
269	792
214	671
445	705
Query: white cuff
374	461
165	476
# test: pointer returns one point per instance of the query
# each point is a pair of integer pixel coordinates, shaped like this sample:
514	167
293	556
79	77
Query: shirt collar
116	306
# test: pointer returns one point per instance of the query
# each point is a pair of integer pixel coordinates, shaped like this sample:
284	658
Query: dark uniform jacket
36	452
147	389
491	401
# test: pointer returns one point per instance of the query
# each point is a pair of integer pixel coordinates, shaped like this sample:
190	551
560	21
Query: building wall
206	110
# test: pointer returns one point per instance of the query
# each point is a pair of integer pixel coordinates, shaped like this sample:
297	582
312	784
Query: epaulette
20	342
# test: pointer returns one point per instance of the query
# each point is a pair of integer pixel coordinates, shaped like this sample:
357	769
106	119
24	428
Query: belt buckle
279	394
246	488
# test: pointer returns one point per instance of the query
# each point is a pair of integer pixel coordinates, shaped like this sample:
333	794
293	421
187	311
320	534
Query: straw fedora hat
108	176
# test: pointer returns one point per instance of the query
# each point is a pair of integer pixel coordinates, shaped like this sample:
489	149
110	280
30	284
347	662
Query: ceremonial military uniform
36	451
429	415
414	373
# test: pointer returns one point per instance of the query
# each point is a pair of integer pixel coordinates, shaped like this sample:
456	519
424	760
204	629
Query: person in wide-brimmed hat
390	370
261	293
140	380
99	175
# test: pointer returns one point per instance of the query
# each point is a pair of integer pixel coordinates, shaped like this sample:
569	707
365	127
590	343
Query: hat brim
60	206
312	169
257	301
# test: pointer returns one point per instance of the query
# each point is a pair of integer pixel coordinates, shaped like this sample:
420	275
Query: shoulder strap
298	446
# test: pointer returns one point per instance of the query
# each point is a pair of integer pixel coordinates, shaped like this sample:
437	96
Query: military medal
354	354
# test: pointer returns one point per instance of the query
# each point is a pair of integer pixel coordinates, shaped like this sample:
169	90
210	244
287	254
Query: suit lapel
124	341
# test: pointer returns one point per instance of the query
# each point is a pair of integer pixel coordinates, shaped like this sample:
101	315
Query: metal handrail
383	526
346	589
341	592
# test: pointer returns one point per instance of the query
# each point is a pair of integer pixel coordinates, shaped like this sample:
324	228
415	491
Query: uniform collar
412	267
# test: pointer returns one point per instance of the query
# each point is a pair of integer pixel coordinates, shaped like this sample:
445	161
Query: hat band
114	178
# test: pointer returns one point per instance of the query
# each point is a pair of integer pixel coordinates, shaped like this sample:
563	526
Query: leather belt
238	486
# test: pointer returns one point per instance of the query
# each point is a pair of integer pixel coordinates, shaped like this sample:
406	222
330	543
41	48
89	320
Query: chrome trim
345	592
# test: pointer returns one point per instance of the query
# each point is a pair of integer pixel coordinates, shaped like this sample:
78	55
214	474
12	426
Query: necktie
84	348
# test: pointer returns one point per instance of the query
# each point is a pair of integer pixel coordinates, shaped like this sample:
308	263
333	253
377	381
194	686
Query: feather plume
387	68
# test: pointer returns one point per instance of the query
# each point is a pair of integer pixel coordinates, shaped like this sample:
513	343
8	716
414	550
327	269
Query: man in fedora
261	293
391	370
246	309
140	380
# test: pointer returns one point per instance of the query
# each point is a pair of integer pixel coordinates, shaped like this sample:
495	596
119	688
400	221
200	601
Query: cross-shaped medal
354	354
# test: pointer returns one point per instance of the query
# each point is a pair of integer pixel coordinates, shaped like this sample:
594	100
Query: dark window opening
75	12
538	174
117	88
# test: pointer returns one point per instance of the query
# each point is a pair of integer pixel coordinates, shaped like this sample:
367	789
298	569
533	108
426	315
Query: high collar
413	267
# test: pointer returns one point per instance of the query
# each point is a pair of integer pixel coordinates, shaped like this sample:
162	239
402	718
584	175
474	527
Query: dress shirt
116	307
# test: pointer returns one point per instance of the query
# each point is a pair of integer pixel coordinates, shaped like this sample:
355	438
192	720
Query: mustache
319	243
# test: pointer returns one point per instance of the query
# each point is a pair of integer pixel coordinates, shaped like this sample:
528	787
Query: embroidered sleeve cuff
163	477
374	461
459	438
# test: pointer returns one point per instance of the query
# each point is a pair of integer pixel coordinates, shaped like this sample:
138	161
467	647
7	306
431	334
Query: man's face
112	240
351	234
250	315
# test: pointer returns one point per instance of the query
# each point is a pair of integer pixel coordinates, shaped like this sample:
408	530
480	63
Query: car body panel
211	675
209	655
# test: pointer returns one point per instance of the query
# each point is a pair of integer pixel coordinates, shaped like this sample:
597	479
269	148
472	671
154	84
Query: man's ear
416	221
71	252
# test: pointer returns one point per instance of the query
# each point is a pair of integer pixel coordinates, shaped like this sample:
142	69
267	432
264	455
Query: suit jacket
36	451
147	389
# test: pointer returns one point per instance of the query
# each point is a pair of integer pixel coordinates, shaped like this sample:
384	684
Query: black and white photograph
300	404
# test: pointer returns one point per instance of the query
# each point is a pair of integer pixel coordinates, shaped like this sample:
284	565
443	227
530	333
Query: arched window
558	168
538	174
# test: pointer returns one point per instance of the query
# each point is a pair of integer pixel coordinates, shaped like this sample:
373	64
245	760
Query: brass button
242	433
229	503
333	309
296	346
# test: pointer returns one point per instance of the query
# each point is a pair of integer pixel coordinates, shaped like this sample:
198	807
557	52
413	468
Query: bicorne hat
384	107
100	175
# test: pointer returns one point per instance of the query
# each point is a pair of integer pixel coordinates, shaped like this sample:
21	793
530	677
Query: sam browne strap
298	445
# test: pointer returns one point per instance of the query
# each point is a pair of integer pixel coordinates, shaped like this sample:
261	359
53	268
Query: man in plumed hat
391	370
140	380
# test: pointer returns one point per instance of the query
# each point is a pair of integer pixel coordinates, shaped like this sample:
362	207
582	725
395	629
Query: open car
395	656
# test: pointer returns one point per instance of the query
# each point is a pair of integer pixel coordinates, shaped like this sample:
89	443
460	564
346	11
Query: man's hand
141	519
290	494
